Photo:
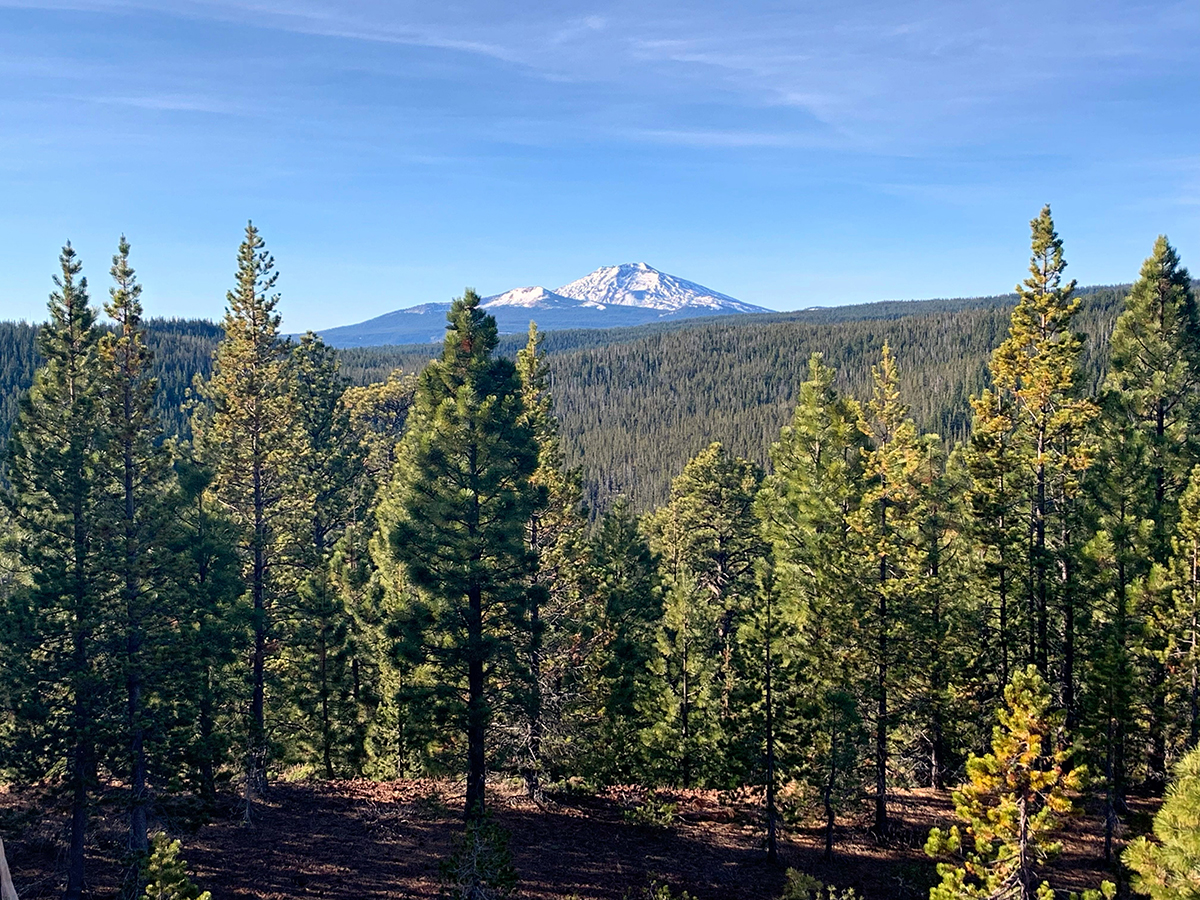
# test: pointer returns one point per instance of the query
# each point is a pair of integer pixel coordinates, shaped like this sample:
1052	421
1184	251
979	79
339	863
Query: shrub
652	814
481	866
166	874
804	887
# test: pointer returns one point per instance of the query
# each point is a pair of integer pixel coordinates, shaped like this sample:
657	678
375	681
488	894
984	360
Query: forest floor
363	840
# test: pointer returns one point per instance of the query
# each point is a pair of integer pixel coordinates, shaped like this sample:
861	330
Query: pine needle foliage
1014	801
456	518
248	435
166	874
1167	867
58	503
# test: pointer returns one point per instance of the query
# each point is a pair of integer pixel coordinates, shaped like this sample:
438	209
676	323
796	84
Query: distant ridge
611	296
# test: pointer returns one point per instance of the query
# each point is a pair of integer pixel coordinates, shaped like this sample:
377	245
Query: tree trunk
881	712
256	761
1043	608
139	841
772	850
533	781
79	807
81	724
476	713
828	792
326	725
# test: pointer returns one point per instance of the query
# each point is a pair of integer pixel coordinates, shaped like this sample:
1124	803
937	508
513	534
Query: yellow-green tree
1014	801
1035	422
891	461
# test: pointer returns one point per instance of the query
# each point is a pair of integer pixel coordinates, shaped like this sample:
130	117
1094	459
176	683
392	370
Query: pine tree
938	649
891	461
206	671
555	538
250	439
708	537
1013	803
1179	619
460	503
617	630
995	500
322	637
56	468
1037	421
1168	867
1153	417
807	506
139	551
363	572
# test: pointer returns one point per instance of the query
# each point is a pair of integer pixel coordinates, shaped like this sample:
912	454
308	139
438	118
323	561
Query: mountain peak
627	294
640	284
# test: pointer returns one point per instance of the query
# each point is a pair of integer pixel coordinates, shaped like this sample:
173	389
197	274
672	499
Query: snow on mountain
626	295
529	298
640	285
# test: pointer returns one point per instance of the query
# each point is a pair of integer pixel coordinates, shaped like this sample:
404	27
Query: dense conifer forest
634	404
820	560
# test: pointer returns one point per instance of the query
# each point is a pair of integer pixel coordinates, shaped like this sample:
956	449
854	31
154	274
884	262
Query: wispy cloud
172	103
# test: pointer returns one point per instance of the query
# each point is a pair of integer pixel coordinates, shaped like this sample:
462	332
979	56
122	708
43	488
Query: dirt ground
362	840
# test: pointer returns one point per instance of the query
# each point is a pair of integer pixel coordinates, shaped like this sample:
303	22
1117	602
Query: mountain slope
640	285
611	296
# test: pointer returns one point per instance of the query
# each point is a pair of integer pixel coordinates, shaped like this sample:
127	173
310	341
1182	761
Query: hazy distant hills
612	296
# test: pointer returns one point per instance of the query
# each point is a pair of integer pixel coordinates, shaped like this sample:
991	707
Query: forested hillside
636	403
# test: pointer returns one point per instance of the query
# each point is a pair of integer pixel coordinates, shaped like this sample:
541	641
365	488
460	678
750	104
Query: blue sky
787	153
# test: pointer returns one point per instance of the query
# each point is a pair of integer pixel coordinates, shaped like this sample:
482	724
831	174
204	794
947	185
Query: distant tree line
634	404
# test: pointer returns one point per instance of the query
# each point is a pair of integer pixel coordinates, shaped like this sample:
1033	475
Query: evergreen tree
57	471
617	642
251	441
461	502
1179	620
140	549
995	500
1153	412
1168	867
891	461
555	538
708	537
806	506
1013	803
364	573
205	671
938	649
322	638
1037	421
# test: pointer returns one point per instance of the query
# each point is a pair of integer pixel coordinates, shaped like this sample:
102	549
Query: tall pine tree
141	549
1036	421
807	507
57	472
460	505
249	436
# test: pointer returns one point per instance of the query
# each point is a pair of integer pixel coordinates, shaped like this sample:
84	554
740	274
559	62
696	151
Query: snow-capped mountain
529	298
640	285
629	294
